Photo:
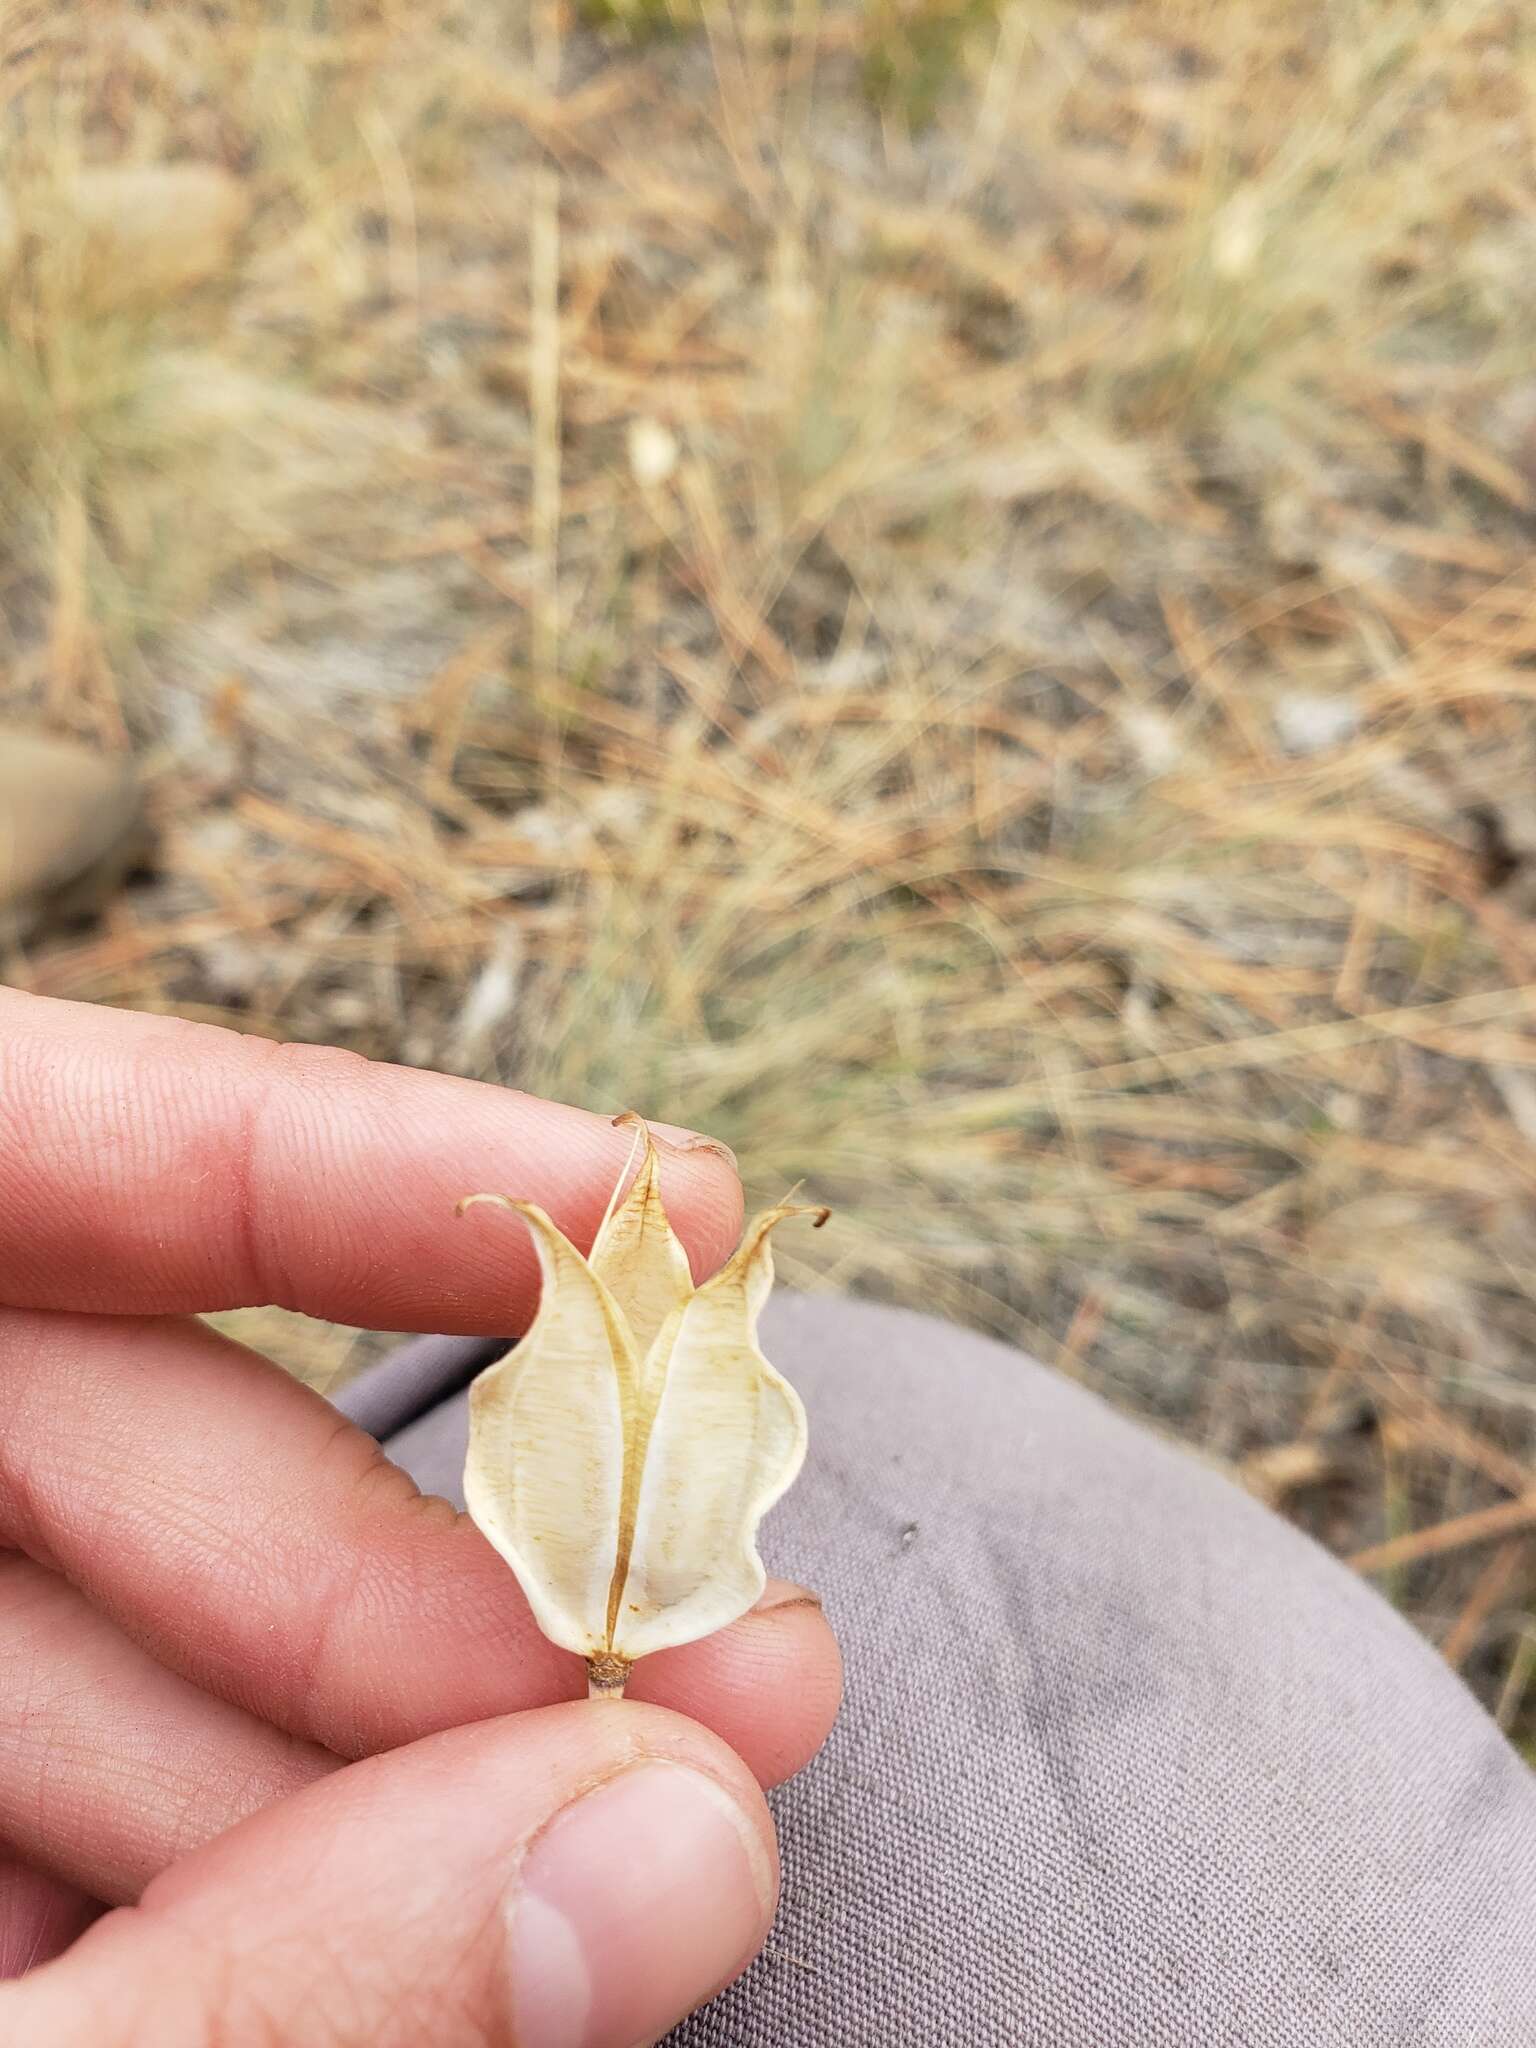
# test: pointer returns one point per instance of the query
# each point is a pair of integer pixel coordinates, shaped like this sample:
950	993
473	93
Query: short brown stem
607	1676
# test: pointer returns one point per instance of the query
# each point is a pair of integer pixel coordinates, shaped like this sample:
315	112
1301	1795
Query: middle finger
111	1766
255	1544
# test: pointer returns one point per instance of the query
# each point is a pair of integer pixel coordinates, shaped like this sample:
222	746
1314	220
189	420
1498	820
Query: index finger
152	1166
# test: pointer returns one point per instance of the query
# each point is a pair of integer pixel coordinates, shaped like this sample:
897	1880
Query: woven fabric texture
1126	1761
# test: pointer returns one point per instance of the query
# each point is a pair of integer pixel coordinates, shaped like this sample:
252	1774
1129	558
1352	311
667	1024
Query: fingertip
601	1950
702	1193
770	1685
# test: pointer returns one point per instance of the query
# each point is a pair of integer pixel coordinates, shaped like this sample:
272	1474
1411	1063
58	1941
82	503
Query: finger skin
255	1543
111	1766
379	1909
154	1166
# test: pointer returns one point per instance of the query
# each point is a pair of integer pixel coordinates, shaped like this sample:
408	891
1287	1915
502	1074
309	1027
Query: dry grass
986	660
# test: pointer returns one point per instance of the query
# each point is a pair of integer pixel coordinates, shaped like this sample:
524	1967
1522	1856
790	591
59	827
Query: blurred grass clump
914	49
943	590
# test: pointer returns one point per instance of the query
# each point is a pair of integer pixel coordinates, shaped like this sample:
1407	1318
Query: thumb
577	1877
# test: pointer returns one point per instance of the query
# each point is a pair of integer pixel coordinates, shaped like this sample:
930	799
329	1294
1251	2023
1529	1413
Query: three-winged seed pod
622	1455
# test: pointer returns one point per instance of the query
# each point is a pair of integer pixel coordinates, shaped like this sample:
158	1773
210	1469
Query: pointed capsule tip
821	1216
468	1202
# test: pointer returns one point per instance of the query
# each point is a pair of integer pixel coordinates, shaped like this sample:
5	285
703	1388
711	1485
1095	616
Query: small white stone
1154	737
1309	724
653	452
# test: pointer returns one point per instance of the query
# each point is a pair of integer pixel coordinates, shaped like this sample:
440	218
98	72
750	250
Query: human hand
244	1664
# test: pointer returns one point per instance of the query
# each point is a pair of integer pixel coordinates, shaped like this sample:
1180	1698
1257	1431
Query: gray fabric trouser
1126	1762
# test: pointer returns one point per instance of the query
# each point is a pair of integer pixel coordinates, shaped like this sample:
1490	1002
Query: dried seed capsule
622	1455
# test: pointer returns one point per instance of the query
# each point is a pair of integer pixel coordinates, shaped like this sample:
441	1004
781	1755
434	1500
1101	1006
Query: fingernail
637	1902
785	1593
673	1138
